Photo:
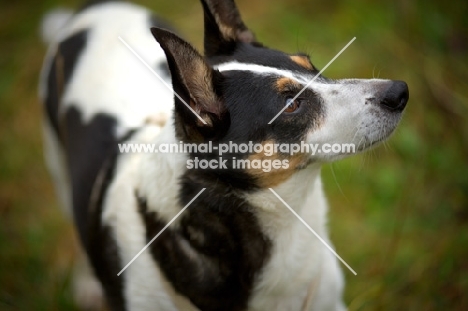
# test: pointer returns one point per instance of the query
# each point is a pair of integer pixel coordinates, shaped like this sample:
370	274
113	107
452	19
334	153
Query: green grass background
399	213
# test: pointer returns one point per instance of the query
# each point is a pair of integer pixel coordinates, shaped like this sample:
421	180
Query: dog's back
94	93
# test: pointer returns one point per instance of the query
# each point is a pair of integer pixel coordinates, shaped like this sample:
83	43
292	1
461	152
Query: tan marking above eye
284	84
302	61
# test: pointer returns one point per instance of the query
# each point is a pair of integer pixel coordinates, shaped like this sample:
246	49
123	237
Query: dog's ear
195	84
224	27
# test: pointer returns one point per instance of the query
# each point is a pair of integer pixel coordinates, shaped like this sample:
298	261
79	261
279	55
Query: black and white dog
236	247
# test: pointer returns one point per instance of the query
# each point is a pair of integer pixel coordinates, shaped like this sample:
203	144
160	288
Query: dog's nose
396	96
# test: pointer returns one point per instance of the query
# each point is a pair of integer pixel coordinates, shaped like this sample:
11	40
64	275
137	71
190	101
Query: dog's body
237	247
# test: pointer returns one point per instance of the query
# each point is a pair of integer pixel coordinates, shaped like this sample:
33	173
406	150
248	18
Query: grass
399	213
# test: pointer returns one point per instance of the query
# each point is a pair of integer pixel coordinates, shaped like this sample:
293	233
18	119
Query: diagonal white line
161	79
313	79
160	232
313	231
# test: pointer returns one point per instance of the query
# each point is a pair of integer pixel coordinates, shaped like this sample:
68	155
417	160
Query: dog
235	246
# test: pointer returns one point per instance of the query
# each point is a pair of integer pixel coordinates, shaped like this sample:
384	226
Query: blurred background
399	213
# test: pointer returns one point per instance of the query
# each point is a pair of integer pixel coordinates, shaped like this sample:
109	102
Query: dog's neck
302	192
297	255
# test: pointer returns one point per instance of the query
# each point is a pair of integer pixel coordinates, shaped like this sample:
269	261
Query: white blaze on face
264	70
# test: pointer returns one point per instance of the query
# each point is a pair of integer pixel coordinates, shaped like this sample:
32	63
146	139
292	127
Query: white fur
263	70
299	259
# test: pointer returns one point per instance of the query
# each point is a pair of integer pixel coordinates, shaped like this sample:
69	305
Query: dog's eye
293	105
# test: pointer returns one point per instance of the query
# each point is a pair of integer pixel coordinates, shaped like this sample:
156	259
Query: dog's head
240	88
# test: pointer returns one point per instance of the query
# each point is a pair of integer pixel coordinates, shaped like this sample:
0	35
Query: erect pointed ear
200	113
224	27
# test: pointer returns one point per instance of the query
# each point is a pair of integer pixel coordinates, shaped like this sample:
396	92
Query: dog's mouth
378	131
369	143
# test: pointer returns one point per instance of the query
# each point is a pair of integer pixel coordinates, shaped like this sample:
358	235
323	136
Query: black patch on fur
101	246
231	178
60	72
259	102
87	146
218	251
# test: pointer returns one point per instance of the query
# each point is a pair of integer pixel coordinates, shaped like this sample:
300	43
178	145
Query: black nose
396	96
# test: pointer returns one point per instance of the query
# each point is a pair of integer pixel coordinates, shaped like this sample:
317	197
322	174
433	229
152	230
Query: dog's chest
296	257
